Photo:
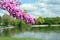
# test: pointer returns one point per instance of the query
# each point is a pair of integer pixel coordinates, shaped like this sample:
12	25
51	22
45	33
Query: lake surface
39	35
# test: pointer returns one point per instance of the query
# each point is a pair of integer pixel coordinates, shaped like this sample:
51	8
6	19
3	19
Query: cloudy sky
44	8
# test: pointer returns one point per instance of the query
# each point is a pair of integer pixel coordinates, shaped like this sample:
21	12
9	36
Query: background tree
48	21
40	20
0	20
25	11
5	19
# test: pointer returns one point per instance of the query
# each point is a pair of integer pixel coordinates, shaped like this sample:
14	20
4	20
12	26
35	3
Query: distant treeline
9	20
47	20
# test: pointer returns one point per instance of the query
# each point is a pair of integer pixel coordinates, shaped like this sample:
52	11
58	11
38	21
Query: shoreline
44	25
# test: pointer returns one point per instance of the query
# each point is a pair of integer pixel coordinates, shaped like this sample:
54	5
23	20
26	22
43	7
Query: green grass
7	38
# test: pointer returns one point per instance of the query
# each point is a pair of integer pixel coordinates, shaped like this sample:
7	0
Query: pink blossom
11	7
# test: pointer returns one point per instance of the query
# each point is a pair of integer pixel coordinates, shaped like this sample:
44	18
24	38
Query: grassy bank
6	38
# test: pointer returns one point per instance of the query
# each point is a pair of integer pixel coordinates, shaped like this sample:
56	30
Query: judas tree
12	7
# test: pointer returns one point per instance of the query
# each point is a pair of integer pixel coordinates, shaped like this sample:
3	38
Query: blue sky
44	8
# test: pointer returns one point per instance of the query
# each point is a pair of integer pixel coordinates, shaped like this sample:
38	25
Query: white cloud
44	8
1	14
36	11
28	6
49	13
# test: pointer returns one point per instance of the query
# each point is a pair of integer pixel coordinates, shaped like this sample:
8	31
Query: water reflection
40	35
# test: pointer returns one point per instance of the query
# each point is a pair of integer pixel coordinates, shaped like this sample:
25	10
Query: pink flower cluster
11	7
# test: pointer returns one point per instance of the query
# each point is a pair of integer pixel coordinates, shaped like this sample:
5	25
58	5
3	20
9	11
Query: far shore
45	25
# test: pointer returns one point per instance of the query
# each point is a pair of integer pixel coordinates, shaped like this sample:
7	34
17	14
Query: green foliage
0	19
48	21
40	20
52	20
19	24
25	11
11	21
5	19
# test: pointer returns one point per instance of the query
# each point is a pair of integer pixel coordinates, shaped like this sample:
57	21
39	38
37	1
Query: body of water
39	35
